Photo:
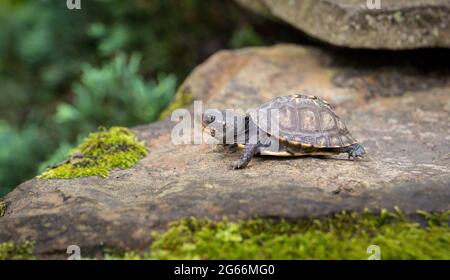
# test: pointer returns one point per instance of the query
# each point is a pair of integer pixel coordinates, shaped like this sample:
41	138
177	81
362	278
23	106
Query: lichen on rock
2	208
100	153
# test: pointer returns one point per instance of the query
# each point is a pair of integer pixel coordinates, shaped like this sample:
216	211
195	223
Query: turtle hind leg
354	151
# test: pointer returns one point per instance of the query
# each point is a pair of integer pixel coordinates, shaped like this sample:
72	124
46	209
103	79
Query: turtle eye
209	119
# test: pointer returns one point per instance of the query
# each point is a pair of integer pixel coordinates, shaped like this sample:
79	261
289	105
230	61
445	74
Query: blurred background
64	73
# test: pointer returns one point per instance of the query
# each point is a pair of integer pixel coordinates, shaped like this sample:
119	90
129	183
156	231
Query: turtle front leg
354	151
247	154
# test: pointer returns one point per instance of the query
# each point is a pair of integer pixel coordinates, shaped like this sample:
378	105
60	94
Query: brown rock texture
406	136
398	24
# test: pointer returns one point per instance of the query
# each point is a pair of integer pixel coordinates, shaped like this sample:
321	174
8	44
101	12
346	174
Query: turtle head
224	125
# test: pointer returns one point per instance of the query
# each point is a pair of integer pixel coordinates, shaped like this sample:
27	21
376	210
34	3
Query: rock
399	24
406	136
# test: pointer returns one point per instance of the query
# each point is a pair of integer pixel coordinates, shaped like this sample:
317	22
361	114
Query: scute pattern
288	118
306	120
327	121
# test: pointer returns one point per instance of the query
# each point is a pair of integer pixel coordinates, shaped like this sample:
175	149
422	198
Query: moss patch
100	153
182	98
17	251
342	236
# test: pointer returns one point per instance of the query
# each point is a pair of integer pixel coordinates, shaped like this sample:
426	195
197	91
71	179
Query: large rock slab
398	24
406	135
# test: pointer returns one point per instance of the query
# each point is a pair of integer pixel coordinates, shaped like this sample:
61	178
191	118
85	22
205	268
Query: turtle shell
304	120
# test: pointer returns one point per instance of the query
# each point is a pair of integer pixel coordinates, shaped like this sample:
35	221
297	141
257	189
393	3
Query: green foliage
17	251
100	153
342	236
115	94
111	40
170	34
246	36
18	148
40	50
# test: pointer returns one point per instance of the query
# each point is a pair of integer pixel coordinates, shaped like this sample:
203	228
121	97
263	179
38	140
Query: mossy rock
341	236
17	251
100	153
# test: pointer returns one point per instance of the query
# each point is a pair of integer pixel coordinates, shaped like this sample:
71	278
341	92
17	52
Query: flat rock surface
406	135
397	24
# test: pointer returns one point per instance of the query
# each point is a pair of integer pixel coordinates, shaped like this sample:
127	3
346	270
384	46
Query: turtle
306	126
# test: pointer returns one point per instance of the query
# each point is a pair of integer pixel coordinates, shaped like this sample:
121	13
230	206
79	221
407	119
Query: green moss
17	251
182	98
342	236
100	153
2	208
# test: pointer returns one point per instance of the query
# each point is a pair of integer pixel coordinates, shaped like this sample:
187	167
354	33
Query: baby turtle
306	125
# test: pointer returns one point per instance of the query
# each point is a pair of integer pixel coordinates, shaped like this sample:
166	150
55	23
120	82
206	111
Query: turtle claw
237	165
353	158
